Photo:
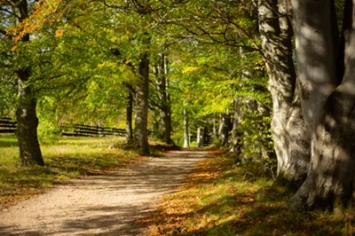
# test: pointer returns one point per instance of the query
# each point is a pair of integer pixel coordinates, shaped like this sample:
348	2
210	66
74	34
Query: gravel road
104	204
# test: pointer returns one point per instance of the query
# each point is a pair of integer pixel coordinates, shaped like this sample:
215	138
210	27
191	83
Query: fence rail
7	126
90	131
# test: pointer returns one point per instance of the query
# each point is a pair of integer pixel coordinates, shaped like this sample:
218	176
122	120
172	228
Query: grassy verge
66	159
224	198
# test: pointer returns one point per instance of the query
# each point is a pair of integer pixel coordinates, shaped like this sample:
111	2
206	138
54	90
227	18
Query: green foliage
48	131
83	54
256	139
211	80
339	11
8	141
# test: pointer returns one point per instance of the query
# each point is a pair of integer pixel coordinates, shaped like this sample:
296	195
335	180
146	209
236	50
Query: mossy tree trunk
27	121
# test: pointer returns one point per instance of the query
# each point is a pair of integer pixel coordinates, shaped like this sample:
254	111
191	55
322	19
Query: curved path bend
104	204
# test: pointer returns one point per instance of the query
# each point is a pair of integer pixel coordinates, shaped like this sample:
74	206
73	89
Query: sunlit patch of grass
8	141
66	159
223	198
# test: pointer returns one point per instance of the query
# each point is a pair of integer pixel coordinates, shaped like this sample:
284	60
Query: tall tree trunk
214	130
165	100
186	129
330	112
224	128
236	143
297	155
142	93
129	113
201	134
27	121
291	145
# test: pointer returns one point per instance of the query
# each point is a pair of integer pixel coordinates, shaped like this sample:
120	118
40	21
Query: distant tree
142	93
160	99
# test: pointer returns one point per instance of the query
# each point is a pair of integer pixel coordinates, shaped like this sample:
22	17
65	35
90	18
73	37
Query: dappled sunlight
66	159
270	82
106	203
218	200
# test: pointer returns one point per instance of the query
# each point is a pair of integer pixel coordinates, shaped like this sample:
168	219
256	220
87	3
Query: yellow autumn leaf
189	69
14	48
59	33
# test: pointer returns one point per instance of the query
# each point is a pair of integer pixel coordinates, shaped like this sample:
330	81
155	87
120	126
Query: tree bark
316	63
165	100
27	121
129	113
186	129
142	93
297	155
291	144
214	130
236	142
224	128
201	132
329	111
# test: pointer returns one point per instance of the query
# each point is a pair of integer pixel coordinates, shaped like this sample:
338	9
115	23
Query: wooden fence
7	126
90	131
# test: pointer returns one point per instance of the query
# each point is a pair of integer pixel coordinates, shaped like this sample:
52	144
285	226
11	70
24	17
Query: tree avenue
273	80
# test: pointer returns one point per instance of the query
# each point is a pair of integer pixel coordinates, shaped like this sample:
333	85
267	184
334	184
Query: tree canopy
270	81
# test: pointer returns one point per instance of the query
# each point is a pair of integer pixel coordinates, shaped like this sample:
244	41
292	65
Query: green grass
224	198
66	159
8	141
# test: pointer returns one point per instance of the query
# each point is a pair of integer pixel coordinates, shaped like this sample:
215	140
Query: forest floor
109	203
186	193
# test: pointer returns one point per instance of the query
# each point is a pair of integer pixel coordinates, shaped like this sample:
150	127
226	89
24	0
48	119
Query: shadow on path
107	204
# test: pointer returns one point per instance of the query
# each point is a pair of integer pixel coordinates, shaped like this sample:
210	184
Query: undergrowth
224	197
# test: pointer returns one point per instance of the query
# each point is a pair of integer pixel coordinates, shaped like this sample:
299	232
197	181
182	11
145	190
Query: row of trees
201	59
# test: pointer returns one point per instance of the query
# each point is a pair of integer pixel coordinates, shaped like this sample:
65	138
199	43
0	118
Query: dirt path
105	204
